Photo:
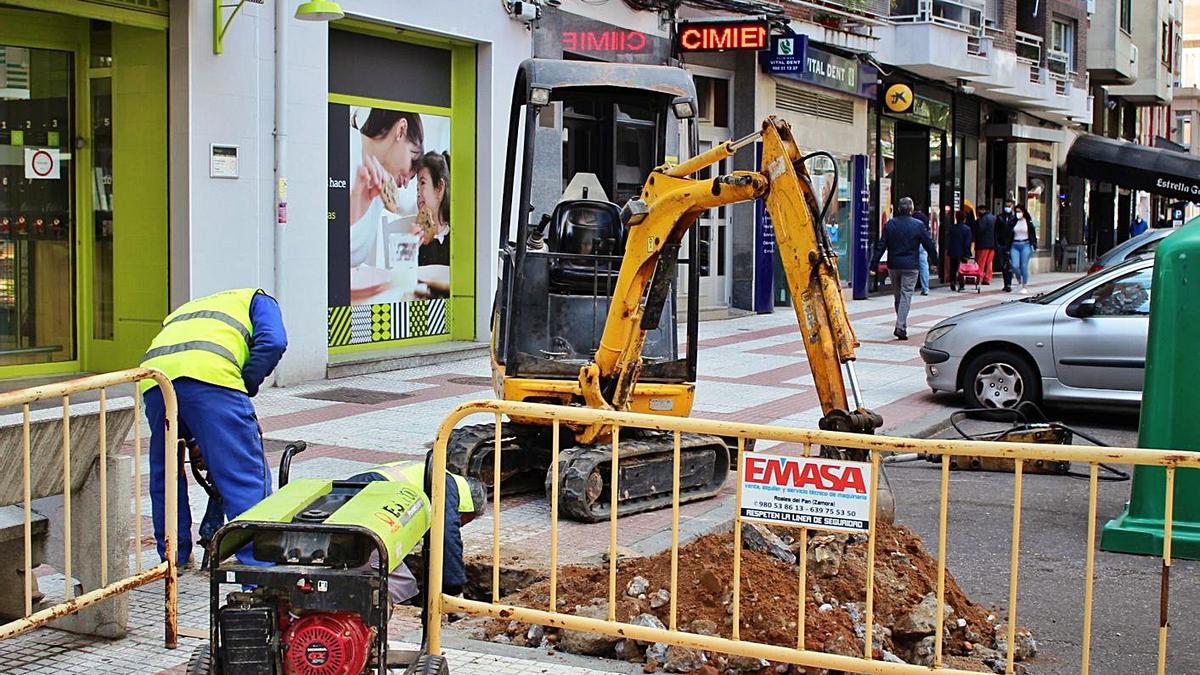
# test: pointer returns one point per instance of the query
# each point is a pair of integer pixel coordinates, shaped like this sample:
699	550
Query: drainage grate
354	395
471	381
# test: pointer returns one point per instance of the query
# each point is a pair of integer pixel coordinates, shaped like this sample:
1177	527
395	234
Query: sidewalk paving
750	369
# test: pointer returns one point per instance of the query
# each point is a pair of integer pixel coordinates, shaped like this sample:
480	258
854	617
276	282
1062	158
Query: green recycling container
1170	418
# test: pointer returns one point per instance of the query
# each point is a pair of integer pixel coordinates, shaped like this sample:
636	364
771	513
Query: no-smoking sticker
41	163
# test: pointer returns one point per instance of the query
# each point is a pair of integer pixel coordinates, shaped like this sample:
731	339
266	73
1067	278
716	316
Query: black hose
832	190
1022	414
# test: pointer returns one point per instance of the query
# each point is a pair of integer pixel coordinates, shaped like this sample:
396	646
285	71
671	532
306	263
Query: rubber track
519	444
577	463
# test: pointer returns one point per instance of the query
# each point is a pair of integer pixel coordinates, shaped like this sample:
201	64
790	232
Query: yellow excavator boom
668	207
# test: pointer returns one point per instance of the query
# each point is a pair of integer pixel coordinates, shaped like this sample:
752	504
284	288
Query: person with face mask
1024	243
1004	238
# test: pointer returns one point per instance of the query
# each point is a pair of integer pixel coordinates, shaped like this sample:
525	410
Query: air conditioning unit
1057	62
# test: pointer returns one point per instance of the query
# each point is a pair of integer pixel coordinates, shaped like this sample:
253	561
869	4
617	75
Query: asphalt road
1053	541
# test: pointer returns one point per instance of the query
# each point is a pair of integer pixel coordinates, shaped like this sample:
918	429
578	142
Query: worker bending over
465	500
216	350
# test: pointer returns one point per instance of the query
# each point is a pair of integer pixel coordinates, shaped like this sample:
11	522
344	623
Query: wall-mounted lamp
319	10
312	10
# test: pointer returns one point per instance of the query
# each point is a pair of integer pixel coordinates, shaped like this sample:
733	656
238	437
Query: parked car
1142	244
1082	342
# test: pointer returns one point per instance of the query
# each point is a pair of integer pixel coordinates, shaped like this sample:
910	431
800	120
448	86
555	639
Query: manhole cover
471	381
354	395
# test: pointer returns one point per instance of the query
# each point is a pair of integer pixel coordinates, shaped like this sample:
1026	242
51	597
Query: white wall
222	231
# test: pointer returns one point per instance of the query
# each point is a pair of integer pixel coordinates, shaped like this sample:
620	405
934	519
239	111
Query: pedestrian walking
922	257
216	350
1004	237
1024	243
959	245
985	243
901	238
1138	226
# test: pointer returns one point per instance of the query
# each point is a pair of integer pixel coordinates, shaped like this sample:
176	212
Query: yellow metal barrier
440	604
167	570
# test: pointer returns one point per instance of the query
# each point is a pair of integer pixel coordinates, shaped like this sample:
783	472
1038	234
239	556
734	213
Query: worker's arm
268	344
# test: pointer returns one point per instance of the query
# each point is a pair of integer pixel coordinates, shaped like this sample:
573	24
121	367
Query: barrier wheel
201	661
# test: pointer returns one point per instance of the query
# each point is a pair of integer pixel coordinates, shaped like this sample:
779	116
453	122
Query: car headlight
937	333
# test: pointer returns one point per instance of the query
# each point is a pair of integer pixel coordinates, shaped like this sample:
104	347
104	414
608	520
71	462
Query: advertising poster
389	220
806	492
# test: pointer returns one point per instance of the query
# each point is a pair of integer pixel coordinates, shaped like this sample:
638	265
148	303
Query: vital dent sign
713	36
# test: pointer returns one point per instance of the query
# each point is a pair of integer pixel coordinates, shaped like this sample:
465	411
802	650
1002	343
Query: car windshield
1058	293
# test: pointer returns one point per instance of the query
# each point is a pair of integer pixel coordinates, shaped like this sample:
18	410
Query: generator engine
326	643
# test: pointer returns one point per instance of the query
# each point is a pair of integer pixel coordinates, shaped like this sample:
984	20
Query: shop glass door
37	257
713	229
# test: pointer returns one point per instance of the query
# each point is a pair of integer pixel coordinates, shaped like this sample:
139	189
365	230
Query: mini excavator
587	305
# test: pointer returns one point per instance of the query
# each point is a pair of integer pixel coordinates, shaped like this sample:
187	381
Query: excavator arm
668	207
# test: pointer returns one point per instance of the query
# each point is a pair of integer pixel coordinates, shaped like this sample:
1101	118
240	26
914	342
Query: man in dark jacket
958	247
902	236
1004	238
985	242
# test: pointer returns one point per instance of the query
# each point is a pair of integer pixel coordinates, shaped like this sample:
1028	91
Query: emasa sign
812	492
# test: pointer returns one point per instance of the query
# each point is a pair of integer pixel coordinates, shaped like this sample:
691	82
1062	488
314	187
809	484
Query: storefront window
887	149
392	172
37	298
102	182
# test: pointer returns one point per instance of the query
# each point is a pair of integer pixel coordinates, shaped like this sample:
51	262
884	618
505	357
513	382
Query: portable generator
316	602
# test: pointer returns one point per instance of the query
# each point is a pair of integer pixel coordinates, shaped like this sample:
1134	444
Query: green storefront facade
83	183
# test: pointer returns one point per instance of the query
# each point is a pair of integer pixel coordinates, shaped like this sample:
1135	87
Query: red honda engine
326	643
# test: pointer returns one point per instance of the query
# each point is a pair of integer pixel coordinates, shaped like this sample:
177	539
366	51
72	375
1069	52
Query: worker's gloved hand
195	456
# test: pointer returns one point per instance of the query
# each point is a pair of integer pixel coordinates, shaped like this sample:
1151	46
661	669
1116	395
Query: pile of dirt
904	603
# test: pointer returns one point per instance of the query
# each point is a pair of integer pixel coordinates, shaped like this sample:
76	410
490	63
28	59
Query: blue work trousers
224	424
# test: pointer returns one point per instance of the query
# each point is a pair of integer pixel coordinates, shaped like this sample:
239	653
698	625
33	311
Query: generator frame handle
285	463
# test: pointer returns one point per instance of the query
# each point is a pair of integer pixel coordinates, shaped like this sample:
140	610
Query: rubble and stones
905	605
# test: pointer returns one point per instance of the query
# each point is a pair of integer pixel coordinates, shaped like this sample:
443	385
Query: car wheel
1000	379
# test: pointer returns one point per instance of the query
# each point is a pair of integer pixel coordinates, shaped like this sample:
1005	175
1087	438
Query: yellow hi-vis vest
207	339
413	473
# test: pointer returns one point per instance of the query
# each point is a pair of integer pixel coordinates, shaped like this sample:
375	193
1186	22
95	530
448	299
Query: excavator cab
583	136
562	239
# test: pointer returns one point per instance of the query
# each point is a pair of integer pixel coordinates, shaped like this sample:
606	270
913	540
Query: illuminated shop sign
604	41
716	36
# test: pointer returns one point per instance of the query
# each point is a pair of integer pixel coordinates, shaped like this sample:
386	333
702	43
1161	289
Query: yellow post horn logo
899	98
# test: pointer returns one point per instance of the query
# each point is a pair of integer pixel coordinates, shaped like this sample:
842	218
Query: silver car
1085	341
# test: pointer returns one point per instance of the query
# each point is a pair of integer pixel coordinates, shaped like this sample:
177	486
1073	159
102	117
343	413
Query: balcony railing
965	15
1058	62
1029	48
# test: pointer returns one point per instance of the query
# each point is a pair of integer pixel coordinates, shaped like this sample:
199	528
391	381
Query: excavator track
524	456
645	480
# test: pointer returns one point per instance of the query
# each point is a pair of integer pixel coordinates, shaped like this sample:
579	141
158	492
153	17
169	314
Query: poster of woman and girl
399	206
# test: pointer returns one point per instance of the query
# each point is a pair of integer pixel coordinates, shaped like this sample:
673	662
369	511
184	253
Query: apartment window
1165	44
1182	131
992	13
1063	41
712	100
1127	16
